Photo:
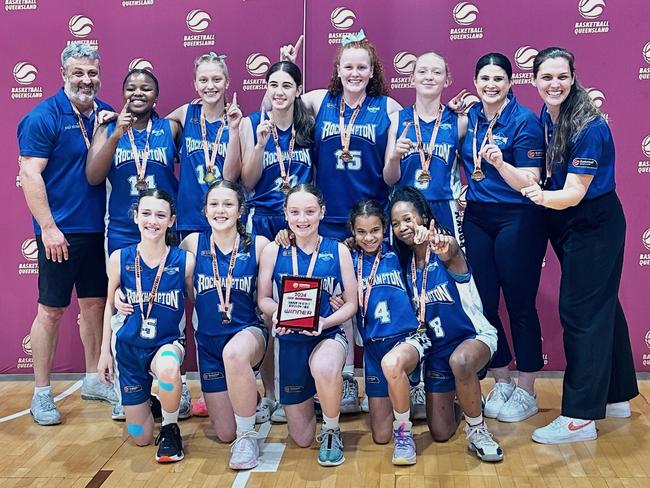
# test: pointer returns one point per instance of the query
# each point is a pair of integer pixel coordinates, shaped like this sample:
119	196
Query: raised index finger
298	43
490	137
234	99
407	126
126	105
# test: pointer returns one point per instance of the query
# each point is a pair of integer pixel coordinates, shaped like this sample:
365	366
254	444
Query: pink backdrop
610	39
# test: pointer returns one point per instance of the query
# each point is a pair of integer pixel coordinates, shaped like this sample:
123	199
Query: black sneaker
170	444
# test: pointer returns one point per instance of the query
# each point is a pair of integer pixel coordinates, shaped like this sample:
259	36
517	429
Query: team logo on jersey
25	74
644	258
591	10
137	3
29	250
536	154
372	379
257	64
132	388
465	14
524	57
403	64
172	270
342	19
213	375
198	21
140	63
325	256
586	163
12	5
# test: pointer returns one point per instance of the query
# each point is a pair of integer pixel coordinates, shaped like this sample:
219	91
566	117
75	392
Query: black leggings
505	247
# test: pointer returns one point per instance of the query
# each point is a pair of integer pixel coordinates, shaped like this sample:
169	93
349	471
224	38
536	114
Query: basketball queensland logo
81	27
257	64
644	71
646	357
598	97
644	257
403	64
591	11
465	15
25	360
25	75
342	19
29	251
644	164
198	21
524	57
20	5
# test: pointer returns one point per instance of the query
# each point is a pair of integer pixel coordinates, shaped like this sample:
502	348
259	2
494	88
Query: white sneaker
619	410
245	451
264	409
566	429
350	398
481	443
418	402
364	404
279	416
185	406
519	406
497	398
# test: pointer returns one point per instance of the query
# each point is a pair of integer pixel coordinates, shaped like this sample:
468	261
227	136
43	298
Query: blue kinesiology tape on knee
171	354
165	386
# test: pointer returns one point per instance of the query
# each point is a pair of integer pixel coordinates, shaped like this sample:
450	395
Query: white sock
43	390
348	371
331	423
169	417
244	424
184	379
403	418
474	421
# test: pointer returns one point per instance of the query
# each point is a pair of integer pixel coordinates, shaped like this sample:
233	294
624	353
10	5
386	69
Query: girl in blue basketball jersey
447	304
229	333
135	152
587	230
276	149
505	234
388	328
424	141
209	145
155	277
310	362
350	142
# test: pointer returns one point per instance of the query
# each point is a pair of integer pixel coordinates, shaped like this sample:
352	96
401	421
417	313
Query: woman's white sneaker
497	398
519	406
619	410
566	429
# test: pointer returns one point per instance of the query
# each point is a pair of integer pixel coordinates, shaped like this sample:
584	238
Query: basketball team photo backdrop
610	40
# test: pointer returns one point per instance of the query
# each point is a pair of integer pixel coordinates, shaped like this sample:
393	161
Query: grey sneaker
418	402
330	452
44	410
404	453
350	398
93	389
264	410
279	416
117	413
185	408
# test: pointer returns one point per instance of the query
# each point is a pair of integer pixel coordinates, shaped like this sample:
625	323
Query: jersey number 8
436	326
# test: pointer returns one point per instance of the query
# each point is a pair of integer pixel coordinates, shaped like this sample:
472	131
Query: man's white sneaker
519	406
564	430
619	410
497	398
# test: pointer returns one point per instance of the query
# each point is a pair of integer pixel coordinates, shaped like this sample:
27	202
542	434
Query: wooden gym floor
90	449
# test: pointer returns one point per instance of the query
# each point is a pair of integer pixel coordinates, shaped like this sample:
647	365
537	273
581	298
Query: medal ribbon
312	261
477	158
346	131
140	159
420	298
278	150
364	298
154	286
81	123
425	158
224	301
209	160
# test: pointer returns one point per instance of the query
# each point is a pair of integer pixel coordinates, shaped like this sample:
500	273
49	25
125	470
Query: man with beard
68	222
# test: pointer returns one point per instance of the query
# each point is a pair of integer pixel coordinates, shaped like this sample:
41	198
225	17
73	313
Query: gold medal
346	156
209	178
424	176
141	185
285	187
284	172
225	314
477	174
426	152
346	130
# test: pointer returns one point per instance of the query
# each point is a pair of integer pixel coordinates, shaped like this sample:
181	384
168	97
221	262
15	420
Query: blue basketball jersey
267	197
243	300
445	181
123	176
168	306
591	152
390	311
343	183
327	267
519	135
192	187
453	308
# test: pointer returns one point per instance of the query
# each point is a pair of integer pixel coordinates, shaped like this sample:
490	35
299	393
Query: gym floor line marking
270	457
74	387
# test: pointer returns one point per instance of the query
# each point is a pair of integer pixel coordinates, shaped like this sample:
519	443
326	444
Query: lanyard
549	164
81	123
312	261
210	159
154	286
278	150
346	130
426	155
224	302
363	298
477	174
140	159
420	297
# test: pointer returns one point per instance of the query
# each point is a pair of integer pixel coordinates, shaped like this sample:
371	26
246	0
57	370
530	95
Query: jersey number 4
381	312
